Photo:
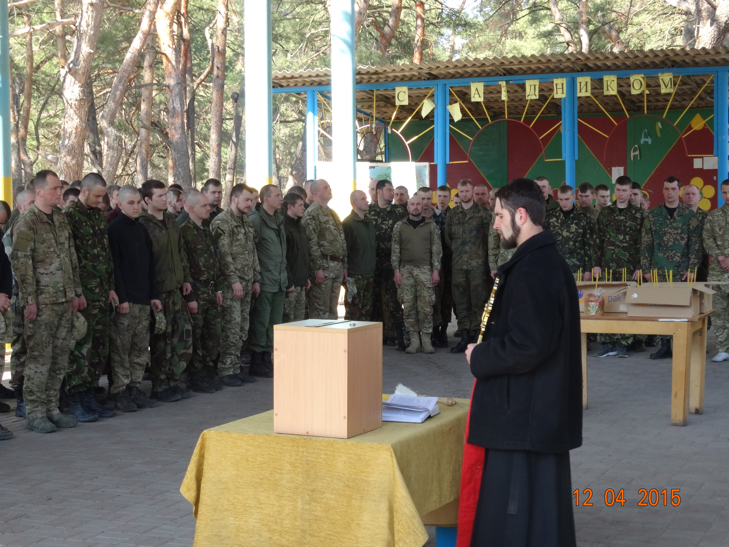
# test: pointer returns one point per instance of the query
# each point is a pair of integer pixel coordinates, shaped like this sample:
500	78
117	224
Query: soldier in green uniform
443	292
46	269
671	243
574	232
497	254
96	271
691	198
385	307
585	195
172	349
297	257
327	253
716	243
359	233
235	237
546	189
416	254
203	258
213	190
426	195
466	233
617	246
602	197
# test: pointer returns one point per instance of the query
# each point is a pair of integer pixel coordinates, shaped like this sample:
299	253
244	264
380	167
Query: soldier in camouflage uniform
466	233
235	237
359	233
671	242
443	292
546	189
96	271
203	258
385	306
46	269
691	198
429	212
327	253
416	254
497	255
585	195
171	349
573	231
716	243
617	246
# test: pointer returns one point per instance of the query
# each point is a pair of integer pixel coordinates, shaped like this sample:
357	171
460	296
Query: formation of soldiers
169	282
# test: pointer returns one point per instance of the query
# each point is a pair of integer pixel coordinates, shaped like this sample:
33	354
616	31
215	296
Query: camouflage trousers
47	338
385	305
324	298
358	297
17	343
88	357
417	296
129	346
470	291
267	312
295	305
236	320
207	329
720	318
171	350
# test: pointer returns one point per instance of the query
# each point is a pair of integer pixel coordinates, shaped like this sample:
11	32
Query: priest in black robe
526	405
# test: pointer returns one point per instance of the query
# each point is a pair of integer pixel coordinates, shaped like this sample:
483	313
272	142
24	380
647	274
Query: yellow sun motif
707	192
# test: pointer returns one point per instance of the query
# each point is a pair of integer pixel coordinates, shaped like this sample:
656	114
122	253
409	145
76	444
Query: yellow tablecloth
251	487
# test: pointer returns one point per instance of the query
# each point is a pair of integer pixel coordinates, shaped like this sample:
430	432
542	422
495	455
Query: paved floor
116	482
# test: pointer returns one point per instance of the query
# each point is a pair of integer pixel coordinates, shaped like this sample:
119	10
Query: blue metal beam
569	132
721	127
441	133
312	138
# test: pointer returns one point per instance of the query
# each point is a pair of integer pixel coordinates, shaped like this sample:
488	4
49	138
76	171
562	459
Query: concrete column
6	172
258	103
721	127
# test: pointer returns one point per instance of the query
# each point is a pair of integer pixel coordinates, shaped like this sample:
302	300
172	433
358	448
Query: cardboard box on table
677	300
614	293
328	378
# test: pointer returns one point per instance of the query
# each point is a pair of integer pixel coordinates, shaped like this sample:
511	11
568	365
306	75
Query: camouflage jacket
384	220
590	211
467	235
618	238
671	243
419	246
96	267
716	239
170	259
236	240
497	255
44	259
575	237
203	256
325	234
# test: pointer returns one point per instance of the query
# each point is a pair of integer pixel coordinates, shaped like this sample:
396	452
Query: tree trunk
216	106
360	13
714	33
563	29
15	163
75	100
298	166
24	118
177	139
60	38
419	31
145	110
112	143
452	45
234	139
582	25
189	89
618	44
388	33
96	159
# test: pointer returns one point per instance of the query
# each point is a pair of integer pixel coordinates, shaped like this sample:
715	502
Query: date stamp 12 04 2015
647	497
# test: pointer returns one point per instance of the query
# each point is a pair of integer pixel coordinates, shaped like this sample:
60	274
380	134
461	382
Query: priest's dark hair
523	194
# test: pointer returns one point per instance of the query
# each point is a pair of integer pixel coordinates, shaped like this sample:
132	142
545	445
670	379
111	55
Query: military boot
62	421
20	403
231	380
5	434
76	408
245	378
138	398
461	346
199	383
443	336
425	341
414	346
6	393
124	403
664	352
4	407
258	367
213	378
40	425
88	400
400	339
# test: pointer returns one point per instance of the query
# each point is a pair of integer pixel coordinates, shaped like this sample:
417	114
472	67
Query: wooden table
689	354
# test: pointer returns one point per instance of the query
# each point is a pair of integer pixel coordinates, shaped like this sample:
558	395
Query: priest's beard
510	242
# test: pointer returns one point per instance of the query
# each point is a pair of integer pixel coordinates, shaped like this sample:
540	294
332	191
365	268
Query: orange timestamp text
648	497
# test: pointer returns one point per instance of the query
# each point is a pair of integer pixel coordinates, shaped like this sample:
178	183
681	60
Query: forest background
139	90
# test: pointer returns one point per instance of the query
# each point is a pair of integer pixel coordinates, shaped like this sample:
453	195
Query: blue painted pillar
721	128
258	109
6	171
312	138
344	152
569	131
441	132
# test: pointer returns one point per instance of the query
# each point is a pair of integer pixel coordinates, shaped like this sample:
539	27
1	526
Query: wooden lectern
328	380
